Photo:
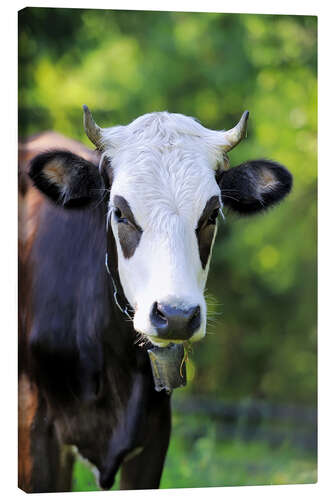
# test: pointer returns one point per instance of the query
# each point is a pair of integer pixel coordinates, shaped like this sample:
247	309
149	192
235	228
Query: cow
114	251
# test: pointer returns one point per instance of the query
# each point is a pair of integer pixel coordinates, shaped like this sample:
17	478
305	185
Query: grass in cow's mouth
187	349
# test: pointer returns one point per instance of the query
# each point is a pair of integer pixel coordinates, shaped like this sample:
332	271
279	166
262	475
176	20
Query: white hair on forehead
163	129
164	184
164	164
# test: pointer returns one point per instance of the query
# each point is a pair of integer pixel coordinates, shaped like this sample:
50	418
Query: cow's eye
213	216
119	215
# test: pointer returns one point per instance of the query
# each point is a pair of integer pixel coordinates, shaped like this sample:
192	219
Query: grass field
203	461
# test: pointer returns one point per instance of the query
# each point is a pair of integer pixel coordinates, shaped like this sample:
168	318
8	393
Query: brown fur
27	408
267	180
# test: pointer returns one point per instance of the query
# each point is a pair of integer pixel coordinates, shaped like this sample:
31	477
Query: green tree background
261	341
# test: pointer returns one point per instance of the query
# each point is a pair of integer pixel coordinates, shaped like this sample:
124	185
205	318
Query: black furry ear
68	179
254	186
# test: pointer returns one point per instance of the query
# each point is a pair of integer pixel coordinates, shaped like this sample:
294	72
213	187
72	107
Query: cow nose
175	323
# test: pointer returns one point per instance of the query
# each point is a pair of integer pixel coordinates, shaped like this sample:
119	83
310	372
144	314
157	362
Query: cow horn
236	134
93	131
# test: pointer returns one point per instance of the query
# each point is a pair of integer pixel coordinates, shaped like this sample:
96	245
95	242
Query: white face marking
164	166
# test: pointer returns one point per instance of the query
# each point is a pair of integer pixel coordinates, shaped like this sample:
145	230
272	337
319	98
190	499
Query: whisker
230	197
227	190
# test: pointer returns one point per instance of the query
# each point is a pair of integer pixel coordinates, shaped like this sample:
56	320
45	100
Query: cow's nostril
173	322
160	315
195	319
157	317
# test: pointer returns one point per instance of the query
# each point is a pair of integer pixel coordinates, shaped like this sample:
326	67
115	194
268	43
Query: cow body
128	228
67	296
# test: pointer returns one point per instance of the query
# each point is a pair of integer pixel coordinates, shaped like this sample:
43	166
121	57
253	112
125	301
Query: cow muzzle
175	323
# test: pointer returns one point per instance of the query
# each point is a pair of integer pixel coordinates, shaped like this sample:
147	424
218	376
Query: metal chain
115	291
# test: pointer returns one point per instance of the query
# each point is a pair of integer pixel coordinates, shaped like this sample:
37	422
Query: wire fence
256	420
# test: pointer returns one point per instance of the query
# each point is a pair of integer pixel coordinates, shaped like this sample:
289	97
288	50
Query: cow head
168	178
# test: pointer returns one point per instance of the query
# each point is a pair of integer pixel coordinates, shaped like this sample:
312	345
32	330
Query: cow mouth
161	343
149	341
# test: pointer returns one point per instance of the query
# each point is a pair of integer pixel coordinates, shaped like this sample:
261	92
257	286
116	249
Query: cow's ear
68	179
254	186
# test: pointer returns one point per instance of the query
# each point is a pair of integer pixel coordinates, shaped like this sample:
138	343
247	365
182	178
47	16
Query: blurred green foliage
261	340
